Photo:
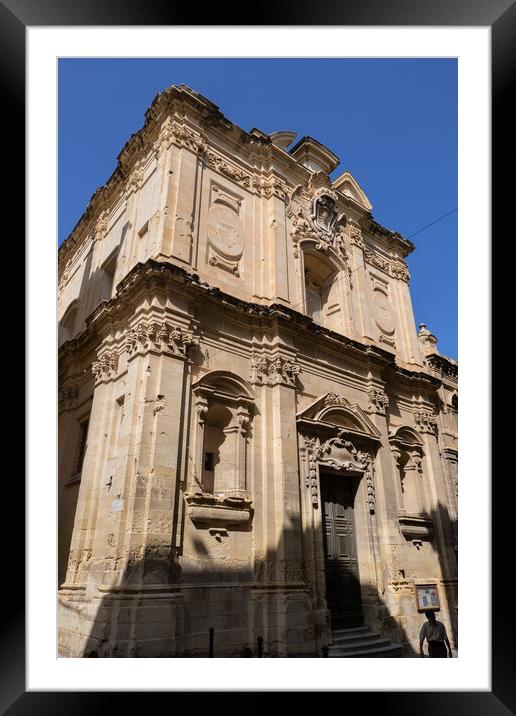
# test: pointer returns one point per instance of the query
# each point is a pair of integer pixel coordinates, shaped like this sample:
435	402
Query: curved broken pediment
337	412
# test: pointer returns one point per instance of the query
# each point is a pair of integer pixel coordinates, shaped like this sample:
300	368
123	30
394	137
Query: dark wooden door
340	552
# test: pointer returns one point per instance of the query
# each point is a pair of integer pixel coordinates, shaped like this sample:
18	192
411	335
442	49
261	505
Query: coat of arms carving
324	214
314	215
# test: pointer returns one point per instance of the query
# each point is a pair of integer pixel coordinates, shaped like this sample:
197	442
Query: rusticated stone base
157	622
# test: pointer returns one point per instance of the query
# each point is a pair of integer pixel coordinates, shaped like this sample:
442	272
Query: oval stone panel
225	231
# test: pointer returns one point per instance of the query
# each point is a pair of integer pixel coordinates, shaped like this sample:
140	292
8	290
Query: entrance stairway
362	642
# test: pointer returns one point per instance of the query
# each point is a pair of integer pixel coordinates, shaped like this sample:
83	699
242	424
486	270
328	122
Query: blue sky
392	122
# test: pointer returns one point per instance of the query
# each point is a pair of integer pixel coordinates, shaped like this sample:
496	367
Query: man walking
435	633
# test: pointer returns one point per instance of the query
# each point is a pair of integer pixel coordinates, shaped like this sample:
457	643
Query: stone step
392	650
363	636
350	630
361	644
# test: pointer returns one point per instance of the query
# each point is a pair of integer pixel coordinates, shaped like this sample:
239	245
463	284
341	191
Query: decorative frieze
397	268
159	336
273	371
106	367
375	260
228	170
426	422
378	402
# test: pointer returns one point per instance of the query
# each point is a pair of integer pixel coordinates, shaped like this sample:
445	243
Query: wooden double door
343	594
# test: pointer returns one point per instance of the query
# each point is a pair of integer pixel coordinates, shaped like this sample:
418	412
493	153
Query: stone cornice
191	112
376	229
204	115
154	275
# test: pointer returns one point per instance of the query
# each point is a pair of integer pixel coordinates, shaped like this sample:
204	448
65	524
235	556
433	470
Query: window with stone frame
323	302
107	278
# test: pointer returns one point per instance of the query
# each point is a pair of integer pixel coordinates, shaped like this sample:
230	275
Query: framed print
427	597
36	678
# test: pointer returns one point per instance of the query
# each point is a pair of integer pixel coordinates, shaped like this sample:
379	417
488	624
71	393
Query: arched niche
223	405
407	449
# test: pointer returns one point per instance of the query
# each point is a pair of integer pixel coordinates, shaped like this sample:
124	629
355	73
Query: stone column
361	300
201	408
384	520
132	607
182	200
280	255
411	350
288	605
243	418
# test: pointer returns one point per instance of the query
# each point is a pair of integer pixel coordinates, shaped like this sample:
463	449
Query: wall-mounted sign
427	597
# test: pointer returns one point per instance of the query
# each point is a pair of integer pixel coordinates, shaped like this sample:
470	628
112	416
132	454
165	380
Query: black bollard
325	651
212	631
260	646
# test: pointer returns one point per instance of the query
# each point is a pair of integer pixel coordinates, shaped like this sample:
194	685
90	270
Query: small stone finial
427	339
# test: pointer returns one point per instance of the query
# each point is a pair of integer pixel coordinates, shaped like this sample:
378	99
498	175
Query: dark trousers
437	650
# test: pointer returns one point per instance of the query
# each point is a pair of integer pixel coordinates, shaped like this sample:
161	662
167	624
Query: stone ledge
416	527
218	511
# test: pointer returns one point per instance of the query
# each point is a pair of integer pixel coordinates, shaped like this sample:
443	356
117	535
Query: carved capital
159	336
100	230
378	402
106	367
355	236
135	180
426	422
274	371
399	270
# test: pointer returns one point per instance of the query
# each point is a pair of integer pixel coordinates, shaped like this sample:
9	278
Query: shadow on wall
164	605
449	528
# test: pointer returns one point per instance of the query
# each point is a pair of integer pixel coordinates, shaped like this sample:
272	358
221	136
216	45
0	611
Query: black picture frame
500	16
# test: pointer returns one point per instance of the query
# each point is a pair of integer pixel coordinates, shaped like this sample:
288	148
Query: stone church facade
253	437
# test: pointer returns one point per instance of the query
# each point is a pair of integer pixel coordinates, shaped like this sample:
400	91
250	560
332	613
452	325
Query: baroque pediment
336	411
